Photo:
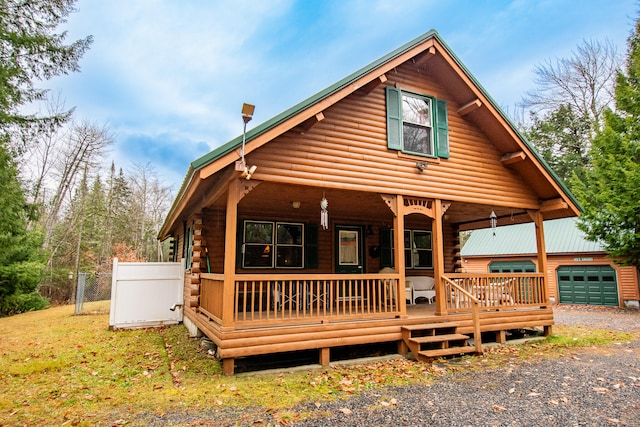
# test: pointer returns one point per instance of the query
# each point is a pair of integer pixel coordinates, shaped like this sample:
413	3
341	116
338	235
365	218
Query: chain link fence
93	293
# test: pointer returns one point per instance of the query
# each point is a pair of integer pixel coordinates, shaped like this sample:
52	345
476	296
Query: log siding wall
349	148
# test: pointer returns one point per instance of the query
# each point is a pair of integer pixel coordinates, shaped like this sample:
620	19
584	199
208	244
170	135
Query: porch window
187	246
417	123
418	250
268	244
289	247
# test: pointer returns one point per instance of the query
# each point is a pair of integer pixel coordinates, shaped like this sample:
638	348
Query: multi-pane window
417	126
421	252
268	244
418	249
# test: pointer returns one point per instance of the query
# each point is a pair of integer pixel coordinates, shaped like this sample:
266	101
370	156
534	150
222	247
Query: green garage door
587	284
512	267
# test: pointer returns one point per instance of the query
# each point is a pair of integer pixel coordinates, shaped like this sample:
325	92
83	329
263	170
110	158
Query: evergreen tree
31	50
20	265
609	190
562	138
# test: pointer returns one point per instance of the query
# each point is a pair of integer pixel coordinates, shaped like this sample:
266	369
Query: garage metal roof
560	235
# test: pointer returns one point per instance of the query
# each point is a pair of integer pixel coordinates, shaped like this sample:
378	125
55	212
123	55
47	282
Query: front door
349	250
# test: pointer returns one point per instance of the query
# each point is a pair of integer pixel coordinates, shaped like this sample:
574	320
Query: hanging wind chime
494	221
324	213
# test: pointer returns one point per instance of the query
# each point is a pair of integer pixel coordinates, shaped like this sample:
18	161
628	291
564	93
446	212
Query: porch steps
433	340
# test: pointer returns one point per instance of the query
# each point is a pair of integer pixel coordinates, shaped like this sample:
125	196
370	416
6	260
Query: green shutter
386	254
394	118
311	245
239	243
442	129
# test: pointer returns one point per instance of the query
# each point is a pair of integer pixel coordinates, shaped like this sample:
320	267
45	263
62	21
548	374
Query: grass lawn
60	369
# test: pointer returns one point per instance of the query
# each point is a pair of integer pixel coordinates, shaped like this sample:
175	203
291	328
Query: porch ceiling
274	199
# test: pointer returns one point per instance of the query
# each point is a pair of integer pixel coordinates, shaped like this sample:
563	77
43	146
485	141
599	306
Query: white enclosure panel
149	270
142	294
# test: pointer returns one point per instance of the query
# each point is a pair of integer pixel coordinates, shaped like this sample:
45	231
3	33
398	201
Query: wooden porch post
438	257
398	256
542	252
230	253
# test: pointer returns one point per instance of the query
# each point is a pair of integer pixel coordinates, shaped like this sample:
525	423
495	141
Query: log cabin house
306	233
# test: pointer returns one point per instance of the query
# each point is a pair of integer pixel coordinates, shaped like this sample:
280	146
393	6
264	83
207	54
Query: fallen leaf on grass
346	411
499	408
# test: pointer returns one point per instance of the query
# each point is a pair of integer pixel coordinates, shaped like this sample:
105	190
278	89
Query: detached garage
578	271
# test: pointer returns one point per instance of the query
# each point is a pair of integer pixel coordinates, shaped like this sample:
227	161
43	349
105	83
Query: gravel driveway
589	387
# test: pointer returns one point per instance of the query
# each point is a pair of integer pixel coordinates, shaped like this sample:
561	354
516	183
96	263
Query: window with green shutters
417	124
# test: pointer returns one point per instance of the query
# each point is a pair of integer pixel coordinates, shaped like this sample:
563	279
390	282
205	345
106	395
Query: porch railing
473	303
302	297
494	291
212	295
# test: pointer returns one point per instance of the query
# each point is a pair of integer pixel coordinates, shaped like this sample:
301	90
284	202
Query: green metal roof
298	108
560	236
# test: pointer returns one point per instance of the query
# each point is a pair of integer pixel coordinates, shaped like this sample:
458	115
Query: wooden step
424	326
438	338
431	354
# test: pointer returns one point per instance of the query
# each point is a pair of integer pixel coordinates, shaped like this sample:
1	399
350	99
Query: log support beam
513	158
310	122
403	348
228	366
423	58
366	89
553	205
325	357
470	107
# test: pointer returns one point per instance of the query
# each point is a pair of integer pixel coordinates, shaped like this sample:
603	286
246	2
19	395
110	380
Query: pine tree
30	50
20	265
609	190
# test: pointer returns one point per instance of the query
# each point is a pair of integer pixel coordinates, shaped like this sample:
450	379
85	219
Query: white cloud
169	74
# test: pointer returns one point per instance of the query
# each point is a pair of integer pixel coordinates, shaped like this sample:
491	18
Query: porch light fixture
247	173
421	166
247	115
295	205
494	221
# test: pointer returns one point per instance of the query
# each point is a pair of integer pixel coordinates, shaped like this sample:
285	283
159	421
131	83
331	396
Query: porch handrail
475	311
497	291
285	298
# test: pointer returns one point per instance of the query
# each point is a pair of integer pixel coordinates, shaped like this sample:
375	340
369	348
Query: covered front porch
265	278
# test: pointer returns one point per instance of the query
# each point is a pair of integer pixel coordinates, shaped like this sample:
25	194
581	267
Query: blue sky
170	77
